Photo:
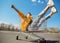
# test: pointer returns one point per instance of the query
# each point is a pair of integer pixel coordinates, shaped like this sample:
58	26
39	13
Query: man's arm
19	13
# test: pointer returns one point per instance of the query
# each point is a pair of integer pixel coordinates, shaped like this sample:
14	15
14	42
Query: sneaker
50	3
53	10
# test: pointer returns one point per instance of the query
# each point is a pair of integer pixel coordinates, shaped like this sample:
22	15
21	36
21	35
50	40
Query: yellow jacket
25	21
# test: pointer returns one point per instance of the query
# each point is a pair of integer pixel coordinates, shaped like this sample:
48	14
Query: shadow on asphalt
48	41
45	41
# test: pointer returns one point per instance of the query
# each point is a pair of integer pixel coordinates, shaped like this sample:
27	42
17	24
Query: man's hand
12	6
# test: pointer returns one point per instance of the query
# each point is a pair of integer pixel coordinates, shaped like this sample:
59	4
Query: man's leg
53	10
49	4
36	21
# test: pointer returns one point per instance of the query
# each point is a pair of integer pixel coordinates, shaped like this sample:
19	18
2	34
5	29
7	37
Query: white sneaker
53	10
50	3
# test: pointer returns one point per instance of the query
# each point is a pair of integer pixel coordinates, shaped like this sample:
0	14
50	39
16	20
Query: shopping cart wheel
26	37
16	37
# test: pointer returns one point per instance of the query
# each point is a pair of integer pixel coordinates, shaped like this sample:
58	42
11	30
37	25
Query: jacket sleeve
19	13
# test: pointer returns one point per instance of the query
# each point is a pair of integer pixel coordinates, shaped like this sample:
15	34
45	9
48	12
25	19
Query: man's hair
29	13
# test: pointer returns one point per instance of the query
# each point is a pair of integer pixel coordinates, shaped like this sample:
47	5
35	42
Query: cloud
34	0
39	1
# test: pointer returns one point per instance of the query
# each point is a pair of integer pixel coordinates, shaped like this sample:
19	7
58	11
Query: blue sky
8	15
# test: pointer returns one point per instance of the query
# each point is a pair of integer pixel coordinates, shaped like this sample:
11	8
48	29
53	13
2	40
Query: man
26	20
